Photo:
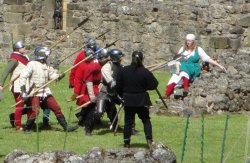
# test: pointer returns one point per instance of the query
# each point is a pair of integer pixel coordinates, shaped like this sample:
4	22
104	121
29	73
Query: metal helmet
41	53
137	57
103	53
90	43
88	52
18	45
115	55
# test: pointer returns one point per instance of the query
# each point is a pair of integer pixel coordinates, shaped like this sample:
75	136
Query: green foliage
168	130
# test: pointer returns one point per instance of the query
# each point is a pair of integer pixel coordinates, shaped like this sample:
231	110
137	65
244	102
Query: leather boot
12	119
64	124
29	124
45	124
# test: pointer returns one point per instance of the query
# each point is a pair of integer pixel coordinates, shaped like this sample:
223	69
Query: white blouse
203	55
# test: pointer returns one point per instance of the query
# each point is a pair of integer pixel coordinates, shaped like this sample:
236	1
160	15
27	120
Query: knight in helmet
90	44
87	80
110	61
107	97
38	73
16	63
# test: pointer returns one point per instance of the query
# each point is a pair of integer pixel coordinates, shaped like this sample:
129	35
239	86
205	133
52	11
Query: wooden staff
67	34
83	105
90	56
69	100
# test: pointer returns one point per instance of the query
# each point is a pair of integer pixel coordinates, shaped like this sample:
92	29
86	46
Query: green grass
168	130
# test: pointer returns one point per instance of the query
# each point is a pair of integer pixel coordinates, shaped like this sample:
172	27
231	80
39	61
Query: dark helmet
41	53
103	53
90	43
115	55
18	45
137	57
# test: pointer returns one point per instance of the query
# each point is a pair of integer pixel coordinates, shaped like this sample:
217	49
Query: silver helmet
88	52
103	53
115	55
41	53
18	45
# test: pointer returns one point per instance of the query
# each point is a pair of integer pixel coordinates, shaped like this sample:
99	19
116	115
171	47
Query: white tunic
38	74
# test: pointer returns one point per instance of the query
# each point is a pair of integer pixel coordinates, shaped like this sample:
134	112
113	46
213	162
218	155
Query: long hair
192	47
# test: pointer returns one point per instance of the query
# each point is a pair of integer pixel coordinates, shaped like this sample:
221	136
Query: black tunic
133	82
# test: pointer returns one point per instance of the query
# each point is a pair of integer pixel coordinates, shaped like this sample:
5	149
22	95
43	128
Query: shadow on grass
138	145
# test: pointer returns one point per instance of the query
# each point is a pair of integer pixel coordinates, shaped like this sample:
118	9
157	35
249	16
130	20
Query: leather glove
73	97
61	76
71	86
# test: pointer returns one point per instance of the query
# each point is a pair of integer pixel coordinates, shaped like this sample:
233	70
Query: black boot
29	125
64	124
45	124
12	119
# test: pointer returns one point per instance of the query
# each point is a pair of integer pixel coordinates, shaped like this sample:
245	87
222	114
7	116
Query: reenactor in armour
90	44
107	97
86	82
38	73
17	62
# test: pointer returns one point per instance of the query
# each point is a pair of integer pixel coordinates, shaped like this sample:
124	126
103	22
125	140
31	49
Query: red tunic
72	74
88	71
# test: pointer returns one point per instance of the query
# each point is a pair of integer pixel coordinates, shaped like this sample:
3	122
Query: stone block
24	29
219	42
73	21
14	2
235	43
244	21
14	18
73	6
18	8
237	30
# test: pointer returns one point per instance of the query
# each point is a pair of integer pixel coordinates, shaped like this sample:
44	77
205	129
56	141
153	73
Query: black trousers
88	117
143	114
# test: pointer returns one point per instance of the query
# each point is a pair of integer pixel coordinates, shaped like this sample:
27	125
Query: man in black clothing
133	82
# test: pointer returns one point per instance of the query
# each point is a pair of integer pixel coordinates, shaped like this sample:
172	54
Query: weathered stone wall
155	26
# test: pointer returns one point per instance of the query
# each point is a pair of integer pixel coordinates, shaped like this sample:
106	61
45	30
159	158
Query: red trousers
18	109
50	103
170	87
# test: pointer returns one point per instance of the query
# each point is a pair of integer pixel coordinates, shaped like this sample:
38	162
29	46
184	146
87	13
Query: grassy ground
168	130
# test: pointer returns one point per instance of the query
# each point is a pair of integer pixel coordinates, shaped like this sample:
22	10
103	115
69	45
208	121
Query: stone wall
155	26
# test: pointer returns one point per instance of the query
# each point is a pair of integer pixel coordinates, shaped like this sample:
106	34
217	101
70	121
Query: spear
90	56
67	34
84	46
